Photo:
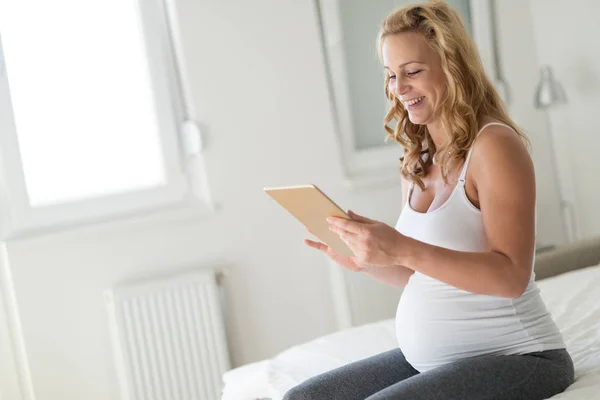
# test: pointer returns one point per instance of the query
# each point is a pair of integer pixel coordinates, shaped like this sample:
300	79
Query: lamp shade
549	92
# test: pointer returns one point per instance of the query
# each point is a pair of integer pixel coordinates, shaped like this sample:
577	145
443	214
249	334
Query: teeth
414	101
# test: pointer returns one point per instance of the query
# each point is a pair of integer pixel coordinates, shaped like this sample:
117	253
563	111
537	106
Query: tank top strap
463	173
409	194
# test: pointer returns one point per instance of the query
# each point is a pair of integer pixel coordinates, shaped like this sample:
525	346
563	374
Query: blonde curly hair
470	96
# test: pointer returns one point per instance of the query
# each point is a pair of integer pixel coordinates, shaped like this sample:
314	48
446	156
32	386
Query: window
91	114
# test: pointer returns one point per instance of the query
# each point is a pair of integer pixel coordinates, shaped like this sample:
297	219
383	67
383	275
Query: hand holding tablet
309	205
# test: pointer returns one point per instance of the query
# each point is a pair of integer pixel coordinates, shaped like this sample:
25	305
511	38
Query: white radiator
169	337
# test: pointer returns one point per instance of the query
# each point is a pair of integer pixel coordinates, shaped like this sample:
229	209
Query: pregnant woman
470	323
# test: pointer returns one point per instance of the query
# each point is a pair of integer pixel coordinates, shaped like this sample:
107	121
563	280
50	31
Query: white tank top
437	323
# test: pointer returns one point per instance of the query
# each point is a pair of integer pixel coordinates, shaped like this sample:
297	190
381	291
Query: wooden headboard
580	254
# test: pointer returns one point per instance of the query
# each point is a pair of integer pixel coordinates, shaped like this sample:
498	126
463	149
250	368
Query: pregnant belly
437	323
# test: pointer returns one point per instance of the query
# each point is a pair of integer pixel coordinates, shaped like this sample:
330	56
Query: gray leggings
533	376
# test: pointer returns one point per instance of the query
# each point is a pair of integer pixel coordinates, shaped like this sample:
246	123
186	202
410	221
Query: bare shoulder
500	147
501	163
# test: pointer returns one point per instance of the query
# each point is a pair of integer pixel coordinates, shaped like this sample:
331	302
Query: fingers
351	265
321	246
360	218
344	225
316	245
345	234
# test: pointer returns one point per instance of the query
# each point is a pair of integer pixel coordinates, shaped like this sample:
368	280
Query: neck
438	133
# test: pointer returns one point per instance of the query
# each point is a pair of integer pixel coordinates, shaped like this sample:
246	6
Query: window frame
179	137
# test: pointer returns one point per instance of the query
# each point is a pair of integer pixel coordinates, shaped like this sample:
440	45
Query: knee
297	393
315	388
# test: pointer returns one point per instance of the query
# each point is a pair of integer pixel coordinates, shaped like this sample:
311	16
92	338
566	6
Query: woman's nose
401	87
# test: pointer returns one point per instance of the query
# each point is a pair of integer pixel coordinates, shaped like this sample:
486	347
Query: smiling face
415	75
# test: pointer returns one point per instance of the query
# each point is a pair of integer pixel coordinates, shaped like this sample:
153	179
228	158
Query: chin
417	119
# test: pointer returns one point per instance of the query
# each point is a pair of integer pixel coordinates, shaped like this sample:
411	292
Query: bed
569	280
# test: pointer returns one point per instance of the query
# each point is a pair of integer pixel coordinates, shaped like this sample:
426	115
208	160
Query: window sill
185	211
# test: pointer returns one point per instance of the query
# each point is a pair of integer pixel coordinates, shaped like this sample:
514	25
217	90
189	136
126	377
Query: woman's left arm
502	173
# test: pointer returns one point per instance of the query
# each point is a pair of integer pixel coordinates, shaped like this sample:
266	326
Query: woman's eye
413	73
392	77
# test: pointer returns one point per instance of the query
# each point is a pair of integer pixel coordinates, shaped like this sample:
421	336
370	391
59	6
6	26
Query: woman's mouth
414	103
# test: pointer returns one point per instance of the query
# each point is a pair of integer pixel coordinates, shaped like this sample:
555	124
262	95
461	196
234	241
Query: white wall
566	37
258	81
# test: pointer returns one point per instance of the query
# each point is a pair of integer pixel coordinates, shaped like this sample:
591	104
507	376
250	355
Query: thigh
534	376
357	380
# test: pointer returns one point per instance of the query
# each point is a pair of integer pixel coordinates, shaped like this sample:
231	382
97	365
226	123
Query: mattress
572	299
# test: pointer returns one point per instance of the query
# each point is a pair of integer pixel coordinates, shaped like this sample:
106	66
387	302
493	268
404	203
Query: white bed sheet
572	298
